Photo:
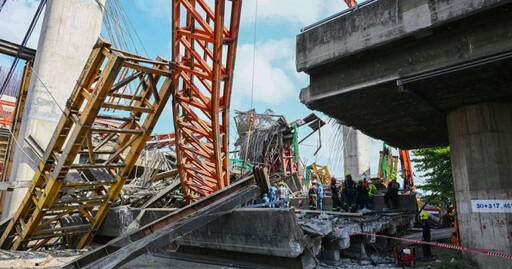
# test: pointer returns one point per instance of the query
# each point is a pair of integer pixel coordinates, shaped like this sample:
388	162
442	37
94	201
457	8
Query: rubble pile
138	195
157	186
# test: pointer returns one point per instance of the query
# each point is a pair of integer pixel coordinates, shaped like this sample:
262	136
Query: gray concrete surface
123	219
355	61
272	232
159	261
70	29
280	238
355	152
481	150
427	73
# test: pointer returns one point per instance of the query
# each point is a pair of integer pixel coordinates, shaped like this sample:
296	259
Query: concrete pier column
356	158
480	139
69	31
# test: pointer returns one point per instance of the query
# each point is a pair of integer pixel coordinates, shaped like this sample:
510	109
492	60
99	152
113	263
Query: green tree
437	169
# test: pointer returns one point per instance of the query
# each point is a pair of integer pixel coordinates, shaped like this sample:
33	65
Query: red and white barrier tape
486	252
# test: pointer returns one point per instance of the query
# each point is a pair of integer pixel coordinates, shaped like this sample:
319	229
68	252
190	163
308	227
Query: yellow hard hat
423	215
347	174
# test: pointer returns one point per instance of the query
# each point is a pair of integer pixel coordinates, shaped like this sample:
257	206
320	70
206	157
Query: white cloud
271	83
15	20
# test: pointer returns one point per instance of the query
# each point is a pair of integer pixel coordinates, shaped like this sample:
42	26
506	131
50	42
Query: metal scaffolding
67	200
202	90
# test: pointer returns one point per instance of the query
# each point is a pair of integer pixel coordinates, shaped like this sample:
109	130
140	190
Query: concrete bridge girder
427	73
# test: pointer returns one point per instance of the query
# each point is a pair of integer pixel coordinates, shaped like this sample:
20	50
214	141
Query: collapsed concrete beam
282	236
263	231
165	236
207	205
122	219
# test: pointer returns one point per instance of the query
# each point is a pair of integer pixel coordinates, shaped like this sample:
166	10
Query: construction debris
268	139
42	259
157	187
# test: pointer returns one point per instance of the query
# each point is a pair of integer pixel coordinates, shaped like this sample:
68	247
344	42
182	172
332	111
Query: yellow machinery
387	165
68	199
320	173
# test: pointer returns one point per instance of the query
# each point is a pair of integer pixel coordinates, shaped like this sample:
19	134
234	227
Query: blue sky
277	84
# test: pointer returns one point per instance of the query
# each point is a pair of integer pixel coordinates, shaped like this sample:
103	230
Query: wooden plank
165	174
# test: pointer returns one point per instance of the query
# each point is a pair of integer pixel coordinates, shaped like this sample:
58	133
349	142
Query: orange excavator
405	160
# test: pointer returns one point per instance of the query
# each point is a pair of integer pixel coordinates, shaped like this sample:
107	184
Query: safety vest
371	189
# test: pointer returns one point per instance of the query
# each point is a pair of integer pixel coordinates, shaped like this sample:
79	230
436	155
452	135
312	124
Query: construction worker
272	193
427	254
361	194
320	196
450	216
313	193
350	193
365	182
392	193
283	195
454	239
265	199
335	192
371	194
342	194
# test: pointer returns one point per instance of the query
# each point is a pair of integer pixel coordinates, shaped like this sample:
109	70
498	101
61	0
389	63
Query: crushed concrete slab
340	228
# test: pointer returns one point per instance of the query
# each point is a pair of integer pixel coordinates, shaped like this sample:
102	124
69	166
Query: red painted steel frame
203	53
4	118
350	3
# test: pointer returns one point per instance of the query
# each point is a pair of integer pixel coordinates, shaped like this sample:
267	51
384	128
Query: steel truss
204	52
67	201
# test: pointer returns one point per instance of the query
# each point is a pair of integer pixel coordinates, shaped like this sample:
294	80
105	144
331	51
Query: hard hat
393	178
347	174
281	183
314	182
333	179
423	215
361	180
370	181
